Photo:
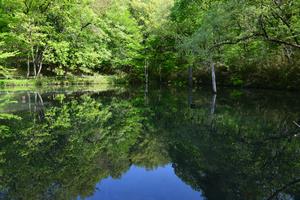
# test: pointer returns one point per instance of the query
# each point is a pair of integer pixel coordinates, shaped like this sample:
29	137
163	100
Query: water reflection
138	183
77	145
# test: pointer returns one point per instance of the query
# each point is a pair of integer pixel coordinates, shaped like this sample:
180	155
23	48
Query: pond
158	144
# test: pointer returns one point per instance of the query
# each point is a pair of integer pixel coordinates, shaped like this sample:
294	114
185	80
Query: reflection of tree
150	152
42	154
78	142
5	117
240	150
245	155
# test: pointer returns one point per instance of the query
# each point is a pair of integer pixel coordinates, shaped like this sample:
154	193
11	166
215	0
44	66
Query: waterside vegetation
246	43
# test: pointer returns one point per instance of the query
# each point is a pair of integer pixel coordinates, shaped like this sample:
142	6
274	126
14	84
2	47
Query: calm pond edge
62	81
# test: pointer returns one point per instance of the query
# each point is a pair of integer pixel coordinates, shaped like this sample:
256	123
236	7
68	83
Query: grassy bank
57	88
61	81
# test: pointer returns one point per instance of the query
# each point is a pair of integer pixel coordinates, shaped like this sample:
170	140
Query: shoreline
61	81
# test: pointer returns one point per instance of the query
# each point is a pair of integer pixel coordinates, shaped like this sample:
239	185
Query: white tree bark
28	66
213	104
213	78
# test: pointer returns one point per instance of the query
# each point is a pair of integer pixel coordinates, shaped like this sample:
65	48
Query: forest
242	43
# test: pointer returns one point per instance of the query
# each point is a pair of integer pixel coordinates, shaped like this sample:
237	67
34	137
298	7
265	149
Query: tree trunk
40	57
29	101
40	68
33	61
213	78
28	66
213	104
41	99
35	103
212	113
146	74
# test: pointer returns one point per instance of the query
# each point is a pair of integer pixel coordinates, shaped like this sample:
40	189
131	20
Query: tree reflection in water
234	146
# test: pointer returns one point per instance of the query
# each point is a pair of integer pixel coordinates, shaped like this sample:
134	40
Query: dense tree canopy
251	43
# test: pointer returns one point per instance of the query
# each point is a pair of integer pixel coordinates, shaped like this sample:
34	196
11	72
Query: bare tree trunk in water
35	103
40	106
212	112
41	99
29	101
213	78
213	104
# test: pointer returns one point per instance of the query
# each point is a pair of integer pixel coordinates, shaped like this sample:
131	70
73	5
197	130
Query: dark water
167	144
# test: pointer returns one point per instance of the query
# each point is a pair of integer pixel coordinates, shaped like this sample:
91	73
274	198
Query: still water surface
165	144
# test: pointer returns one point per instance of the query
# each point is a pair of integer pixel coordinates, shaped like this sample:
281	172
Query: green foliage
5	71
248	39
72	36
125	37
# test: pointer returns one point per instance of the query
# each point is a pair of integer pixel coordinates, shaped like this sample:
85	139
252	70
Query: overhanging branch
255	35
228	42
